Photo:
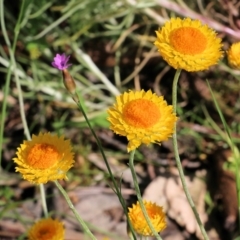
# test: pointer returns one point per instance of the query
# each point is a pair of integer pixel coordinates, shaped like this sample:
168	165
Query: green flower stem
139	197
78	217
76	98
227	135
237	159
43	197
178	161
131	236
13	65
12	68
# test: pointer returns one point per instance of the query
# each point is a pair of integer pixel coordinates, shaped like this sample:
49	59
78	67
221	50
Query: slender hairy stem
178	161
76	214
12	65
116	189
43	197
139	197
227	135
6	88
12	68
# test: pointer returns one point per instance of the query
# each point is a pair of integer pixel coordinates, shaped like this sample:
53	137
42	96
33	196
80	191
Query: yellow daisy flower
44	158
143	117
139	223
233	55
47	229
188	44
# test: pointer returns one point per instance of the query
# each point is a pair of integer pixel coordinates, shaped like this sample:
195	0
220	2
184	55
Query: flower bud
68	81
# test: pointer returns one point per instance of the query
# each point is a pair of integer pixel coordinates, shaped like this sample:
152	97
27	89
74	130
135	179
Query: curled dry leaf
155	192
179	208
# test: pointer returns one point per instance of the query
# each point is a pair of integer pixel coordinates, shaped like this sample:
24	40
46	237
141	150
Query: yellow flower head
233	55
47	229
155	213
44	158
188	44
143	117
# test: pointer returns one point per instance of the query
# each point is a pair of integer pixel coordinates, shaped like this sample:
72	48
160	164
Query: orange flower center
141	113
45	232
188	40
150	213
42	156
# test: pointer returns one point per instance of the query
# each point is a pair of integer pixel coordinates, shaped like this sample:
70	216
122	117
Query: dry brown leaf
155	192
102	210
179	208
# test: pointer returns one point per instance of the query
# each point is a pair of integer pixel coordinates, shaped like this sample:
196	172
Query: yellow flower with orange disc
44	158
233	55
47	229
139	223
188	44
143	117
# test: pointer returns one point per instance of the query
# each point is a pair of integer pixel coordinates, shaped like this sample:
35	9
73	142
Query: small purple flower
60	61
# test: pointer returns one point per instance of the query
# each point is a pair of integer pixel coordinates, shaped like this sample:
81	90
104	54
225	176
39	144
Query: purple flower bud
60	61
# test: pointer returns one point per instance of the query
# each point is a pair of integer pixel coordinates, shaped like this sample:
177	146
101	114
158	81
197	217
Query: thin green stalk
76	214
43	198
139	197
237	159
11	51
12	68
178	161
131	236
117	191
233	147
